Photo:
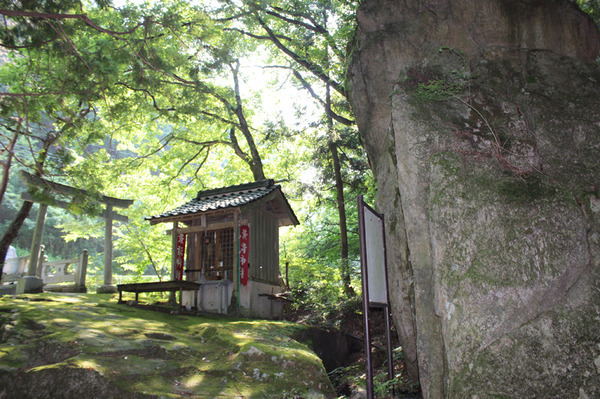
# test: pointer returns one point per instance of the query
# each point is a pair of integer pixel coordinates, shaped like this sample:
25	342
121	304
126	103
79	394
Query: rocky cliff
482	123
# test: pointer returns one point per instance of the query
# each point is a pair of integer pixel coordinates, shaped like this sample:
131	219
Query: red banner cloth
244	250
179	260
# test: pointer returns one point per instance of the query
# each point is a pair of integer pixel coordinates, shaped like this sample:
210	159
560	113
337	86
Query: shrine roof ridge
222	198
232	189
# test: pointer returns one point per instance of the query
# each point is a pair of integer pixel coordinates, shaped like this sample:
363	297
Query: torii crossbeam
108	214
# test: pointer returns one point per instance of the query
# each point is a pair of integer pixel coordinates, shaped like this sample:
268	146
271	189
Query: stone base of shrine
257	299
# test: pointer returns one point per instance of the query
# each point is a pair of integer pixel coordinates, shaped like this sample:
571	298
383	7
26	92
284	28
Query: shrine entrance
210	255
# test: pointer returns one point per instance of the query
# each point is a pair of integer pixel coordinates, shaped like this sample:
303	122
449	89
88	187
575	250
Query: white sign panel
375	262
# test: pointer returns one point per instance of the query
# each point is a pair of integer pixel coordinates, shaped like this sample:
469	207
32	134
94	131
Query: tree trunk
341	203
339	183
341	206
253	160
7	165
13	229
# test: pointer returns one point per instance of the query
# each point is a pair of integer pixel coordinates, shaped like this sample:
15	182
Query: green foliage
153	102
37	30
437	90
140	353
312	250
591	7
384	387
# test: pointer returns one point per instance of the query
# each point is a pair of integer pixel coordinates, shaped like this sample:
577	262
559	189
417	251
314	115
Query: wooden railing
65	271
52	273
14	269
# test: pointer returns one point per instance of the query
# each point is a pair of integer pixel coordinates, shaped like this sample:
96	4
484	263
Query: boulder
481	120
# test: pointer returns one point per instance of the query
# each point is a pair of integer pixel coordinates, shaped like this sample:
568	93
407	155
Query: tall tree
170	68
300	31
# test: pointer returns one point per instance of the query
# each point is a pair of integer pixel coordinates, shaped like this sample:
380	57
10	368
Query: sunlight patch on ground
193	381
135	350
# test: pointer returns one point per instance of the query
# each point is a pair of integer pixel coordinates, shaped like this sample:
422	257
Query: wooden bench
161	286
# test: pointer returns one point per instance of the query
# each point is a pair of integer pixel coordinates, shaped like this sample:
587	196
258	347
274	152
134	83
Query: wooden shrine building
227	241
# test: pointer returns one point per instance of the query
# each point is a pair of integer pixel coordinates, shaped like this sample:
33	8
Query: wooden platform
161	286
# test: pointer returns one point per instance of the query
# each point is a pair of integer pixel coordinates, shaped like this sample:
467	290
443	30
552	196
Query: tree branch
202	163
315	27
236	146
254	36
50	93
313	68
202	143
328	109
255	161
186	163
82	17
154	103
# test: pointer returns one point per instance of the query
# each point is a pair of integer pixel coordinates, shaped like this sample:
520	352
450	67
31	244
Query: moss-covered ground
82	345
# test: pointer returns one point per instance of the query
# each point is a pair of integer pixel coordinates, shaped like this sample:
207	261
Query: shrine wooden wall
264	247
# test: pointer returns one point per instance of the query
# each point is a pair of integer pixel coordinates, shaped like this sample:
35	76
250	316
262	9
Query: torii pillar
109	216
32	282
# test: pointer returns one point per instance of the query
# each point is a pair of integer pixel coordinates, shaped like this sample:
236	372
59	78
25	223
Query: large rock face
482	122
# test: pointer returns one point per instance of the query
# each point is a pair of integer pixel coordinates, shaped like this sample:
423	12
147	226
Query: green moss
392	224
450	162
437	90
526	188
140	351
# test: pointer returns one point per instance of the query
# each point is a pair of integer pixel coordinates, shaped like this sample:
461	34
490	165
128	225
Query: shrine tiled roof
221	198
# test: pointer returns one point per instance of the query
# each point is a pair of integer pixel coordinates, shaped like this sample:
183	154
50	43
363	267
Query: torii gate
108	213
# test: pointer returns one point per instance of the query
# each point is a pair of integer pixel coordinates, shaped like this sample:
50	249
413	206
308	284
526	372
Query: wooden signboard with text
374	279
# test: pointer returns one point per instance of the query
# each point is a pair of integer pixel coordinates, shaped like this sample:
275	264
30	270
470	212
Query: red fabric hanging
244	250
179	260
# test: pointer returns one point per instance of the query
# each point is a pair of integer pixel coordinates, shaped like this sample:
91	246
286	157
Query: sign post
374	280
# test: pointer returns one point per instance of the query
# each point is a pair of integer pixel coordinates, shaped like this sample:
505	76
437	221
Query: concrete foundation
107	289
29	284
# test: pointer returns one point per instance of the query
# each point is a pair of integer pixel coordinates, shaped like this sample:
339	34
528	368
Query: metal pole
365	288
388	326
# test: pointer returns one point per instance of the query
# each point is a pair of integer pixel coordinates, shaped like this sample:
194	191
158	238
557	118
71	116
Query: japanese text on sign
244	249
179	259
